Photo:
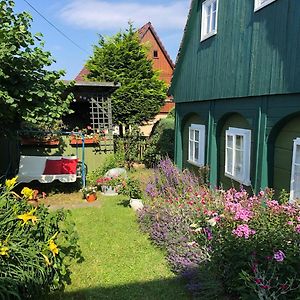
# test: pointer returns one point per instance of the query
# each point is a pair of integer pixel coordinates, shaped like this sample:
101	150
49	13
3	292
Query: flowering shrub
256	239
36	246
247	241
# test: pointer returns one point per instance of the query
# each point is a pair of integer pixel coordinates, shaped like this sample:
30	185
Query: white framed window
209	19
196	144
237	154
295	174
258	4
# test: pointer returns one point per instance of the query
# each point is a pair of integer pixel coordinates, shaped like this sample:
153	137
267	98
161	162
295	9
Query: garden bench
42	169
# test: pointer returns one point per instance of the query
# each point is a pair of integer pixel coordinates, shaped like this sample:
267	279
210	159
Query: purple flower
279	256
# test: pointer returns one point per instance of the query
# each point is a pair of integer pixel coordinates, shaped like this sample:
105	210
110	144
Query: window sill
257	8
195	163
207	36
239	180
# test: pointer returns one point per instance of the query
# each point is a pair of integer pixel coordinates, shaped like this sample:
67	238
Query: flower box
78	140
40	141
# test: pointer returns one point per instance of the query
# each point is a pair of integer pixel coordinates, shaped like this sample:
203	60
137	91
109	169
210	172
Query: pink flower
243	231
290	222
243	214
298	228
258	280
265	287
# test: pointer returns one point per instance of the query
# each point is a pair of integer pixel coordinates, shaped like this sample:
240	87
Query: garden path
119	261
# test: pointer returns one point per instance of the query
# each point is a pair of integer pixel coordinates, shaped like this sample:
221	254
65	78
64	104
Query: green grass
119	261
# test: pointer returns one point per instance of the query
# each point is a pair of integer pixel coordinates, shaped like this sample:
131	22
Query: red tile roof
82	74
167	107
142	31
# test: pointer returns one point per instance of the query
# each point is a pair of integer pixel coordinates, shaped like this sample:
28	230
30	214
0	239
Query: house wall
274	122
161	63
252	54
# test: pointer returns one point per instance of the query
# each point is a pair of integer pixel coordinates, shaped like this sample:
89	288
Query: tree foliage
123	59
29	91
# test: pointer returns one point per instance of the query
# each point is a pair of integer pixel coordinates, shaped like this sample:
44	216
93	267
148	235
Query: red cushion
53	167
69	166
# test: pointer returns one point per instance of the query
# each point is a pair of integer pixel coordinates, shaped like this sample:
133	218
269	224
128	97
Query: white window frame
292	193
259	4
201	147
244	178
204	34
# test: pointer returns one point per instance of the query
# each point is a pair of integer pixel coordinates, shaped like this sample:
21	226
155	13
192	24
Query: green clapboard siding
235	120
253	53
192	119
283	154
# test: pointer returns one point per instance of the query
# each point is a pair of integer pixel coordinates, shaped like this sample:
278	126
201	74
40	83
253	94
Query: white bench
32	168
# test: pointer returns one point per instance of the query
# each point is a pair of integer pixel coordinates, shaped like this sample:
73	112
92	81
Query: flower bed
248	244
36	246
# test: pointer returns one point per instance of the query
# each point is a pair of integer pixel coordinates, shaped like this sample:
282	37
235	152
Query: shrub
112	161
161	142
256	240
249	245
36	246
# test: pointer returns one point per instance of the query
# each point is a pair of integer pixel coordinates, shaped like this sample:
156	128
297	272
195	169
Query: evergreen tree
123	59
29	92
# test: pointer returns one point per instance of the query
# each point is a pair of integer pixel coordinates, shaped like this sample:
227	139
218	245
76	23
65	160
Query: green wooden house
237	92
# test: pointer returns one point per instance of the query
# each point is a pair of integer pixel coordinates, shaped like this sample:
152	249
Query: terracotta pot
91	197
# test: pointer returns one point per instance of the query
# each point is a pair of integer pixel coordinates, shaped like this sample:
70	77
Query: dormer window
155	54
209	19
258	4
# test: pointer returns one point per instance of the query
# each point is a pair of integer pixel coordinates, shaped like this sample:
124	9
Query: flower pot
136	204
91	197
78	141
108	190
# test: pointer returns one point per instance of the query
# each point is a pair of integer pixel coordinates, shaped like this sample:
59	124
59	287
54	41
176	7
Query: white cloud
104	15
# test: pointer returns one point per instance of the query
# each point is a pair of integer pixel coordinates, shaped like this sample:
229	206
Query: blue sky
82	20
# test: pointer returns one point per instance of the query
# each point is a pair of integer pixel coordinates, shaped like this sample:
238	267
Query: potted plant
109	185
131	188
89	193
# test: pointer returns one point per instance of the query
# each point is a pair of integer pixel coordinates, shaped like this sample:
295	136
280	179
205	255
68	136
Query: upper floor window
237	154
258	4
295	176
209	18
155	54
196	144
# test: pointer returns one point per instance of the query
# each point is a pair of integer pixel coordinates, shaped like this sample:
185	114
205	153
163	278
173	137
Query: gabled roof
148	27
142	32
181	48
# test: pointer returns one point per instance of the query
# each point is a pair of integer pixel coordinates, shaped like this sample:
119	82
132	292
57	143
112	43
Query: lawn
119	261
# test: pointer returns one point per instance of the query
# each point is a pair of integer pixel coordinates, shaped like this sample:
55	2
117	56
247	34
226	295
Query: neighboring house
237	92
161	62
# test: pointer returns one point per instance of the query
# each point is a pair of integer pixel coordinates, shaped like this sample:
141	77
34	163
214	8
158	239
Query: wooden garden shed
92	109
237	92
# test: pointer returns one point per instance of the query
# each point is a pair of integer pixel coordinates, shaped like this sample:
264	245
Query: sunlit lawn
120	262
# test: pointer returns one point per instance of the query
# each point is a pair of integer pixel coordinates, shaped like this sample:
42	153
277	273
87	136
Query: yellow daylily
28	217
27	193
48	263
10	183
53	247
4	250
